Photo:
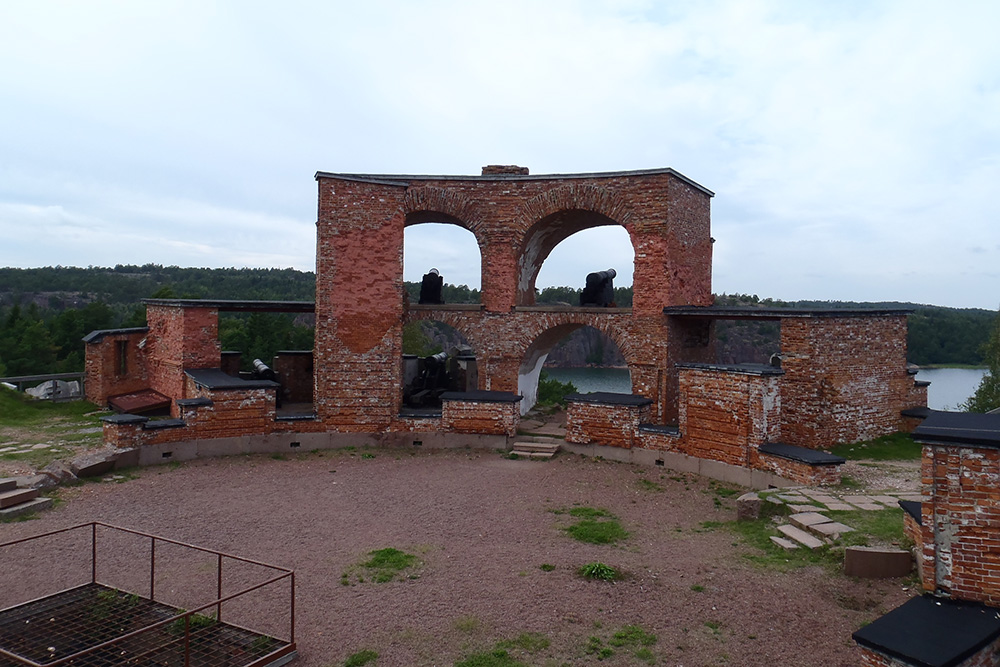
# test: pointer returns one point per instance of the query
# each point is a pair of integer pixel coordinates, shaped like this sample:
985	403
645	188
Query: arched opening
436	358
578	353
571	244
437	241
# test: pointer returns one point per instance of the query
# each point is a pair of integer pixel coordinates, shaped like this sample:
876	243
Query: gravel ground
482	526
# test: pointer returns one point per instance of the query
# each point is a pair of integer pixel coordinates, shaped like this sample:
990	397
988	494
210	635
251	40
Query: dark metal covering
482	396
194	402
157	424
609	398
932	632
812	457
661	429
98	336
920	411
913	508
745	369
125	419
752	313
139	402
214	378
232	306
403	180
959	428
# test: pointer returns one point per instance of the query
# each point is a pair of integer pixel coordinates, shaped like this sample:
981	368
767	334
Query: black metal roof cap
609	398
959	428
932	632
214	378
753	313
482	396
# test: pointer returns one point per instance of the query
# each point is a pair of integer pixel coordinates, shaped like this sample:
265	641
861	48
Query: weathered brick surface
295	373
604	423
725	415
914	532
961	522
845	378
796	471
103	366
517	221
494	418
988	656
180	338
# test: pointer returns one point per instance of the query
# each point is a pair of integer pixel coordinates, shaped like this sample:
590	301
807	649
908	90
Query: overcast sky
854	147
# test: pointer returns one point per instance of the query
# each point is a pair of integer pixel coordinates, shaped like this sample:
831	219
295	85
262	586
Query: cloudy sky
854	147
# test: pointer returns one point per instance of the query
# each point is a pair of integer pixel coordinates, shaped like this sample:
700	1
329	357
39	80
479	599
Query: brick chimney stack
504	169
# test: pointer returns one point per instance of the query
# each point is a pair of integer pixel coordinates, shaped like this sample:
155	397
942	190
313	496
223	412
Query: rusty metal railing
165	629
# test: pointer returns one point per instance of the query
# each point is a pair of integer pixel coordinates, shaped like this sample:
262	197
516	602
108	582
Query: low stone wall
606	418
798	471
482	412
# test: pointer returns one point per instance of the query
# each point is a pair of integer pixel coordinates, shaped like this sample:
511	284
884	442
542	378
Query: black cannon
262	371
600	289
430	287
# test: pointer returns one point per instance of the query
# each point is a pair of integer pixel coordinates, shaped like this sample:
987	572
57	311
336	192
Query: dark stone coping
805	455
913	508
98	336
125	419
420	413
609	398
958	429
214	378
237	306
294	352
919	411
163	423
403	180
194	402
295	418
447	306
751	313
932	632
742	369
661	429
590	310
482	396
921	383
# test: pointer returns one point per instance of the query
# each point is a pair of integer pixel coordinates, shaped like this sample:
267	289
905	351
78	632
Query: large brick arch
551	217
433	204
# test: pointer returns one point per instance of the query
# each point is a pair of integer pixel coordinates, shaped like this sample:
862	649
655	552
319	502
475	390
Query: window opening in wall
589	251
436	358
447	252
121	357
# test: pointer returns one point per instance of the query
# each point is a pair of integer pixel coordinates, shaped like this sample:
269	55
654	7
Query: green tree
987	396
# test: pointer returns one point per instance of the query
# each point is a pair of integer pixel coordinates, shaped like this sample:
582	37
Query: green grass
382	566
546	567
361	658
883	527
595	525
631	638
498	657
27	421
599	571
531	642
891	447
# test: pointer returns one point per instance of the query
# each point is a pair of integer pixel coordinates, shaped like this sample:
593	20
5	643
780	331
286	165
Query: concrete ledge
724	472
30	507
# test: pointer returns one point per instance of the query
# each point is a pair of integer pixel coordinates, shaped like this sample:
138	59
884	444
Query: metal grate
94	624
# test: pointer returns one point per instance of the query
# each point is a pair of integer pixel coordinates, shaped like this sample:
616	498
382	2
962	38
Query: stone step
800	536
7	485
831	529
532	446
805	520
17	496
531	455
787	545
36	505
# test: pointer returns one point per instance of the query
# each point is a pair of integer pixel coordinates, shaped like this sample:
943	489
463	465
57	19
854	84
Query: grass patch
631	638
891	447
883	527
498	657
382	566
647	485
597	532
361	658
546	567
530	642
599	571
595	525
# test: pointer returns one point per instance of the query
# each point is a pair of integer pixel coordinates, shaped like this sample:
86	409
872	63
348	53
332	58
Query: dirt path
483	525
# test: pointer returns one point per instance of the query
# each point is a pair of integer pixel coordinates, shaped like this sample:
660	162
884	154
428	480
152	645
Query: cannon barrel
262	371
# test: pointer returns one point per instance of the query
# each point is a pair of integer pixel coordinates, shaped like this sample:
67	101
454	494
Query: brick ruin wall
359	290
988	656
103	366
961	522
845	379
604	423
180	338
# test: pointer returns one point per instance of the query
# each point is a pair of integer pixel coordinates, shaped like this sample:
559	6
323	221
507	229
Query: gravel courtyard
483	526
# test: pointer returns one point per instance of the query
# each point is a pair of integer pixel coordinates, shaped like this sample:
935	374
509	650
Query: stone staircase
15	501
535	447
809	529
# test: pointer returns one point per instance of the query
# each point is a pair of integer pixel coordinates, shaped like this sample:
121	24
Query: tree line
45	312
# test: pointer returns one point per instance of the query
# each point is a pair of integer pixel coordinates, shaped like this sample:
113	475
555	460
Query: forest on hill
45	312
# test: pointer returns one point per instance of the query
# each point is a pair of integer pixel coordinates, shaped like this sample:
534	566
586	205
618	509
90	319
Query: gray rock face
59	472
94	464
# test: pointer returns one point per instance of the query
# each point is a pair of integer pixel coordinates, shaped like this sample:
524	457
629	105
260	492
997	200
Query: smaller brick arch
553	216
433	204
536	352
